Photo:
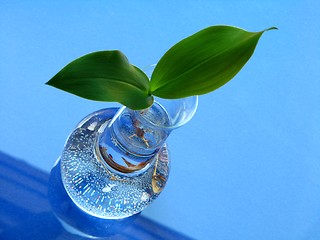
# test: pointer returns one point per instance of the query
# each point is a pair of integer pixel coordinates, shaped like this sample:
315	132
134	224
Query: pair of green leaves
196	65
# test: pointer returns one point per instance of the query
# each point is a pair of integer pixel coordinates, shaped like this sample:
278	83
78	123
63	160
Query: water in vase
99	189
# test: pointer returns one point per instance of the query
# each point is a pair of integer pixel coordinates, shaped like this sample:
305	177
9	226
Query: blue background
247	166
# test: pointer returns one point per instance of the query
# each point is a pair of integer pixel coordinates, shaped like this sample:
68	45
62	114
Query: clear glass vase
114	164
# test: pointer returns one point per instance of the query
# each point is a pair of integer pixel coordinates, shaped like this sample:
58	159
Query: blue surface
25	212
246	167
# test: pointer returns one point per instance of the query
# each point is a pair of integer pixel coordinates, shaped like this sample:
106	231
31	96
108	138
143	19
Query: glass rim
179	123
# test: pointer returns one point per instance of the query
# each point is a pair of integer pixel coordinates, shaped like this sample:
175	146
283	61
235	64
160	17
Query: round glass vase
114	164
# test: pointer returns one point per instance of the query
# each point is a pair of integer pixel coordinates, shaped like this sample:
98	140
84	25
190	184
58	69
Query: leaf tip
271	28
51	82
48	83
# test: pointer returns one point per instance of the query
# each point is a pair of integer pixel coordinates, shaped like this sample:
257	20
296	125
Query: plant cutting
197	65
115	163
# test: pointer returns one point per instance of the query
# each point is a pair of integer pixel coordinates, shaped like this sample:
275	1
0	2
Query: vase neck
129	144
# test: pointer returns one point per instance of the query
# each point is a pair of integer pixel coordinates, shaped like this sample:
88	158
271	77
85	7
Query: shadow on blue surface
25	212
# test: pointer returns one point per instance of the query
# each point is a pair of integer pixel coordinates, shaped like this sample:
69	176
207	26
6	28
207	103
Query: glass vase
114	164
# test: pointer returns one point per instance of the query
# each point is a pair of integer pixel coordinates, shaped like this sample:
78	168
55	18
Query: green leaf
105	76
203	62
